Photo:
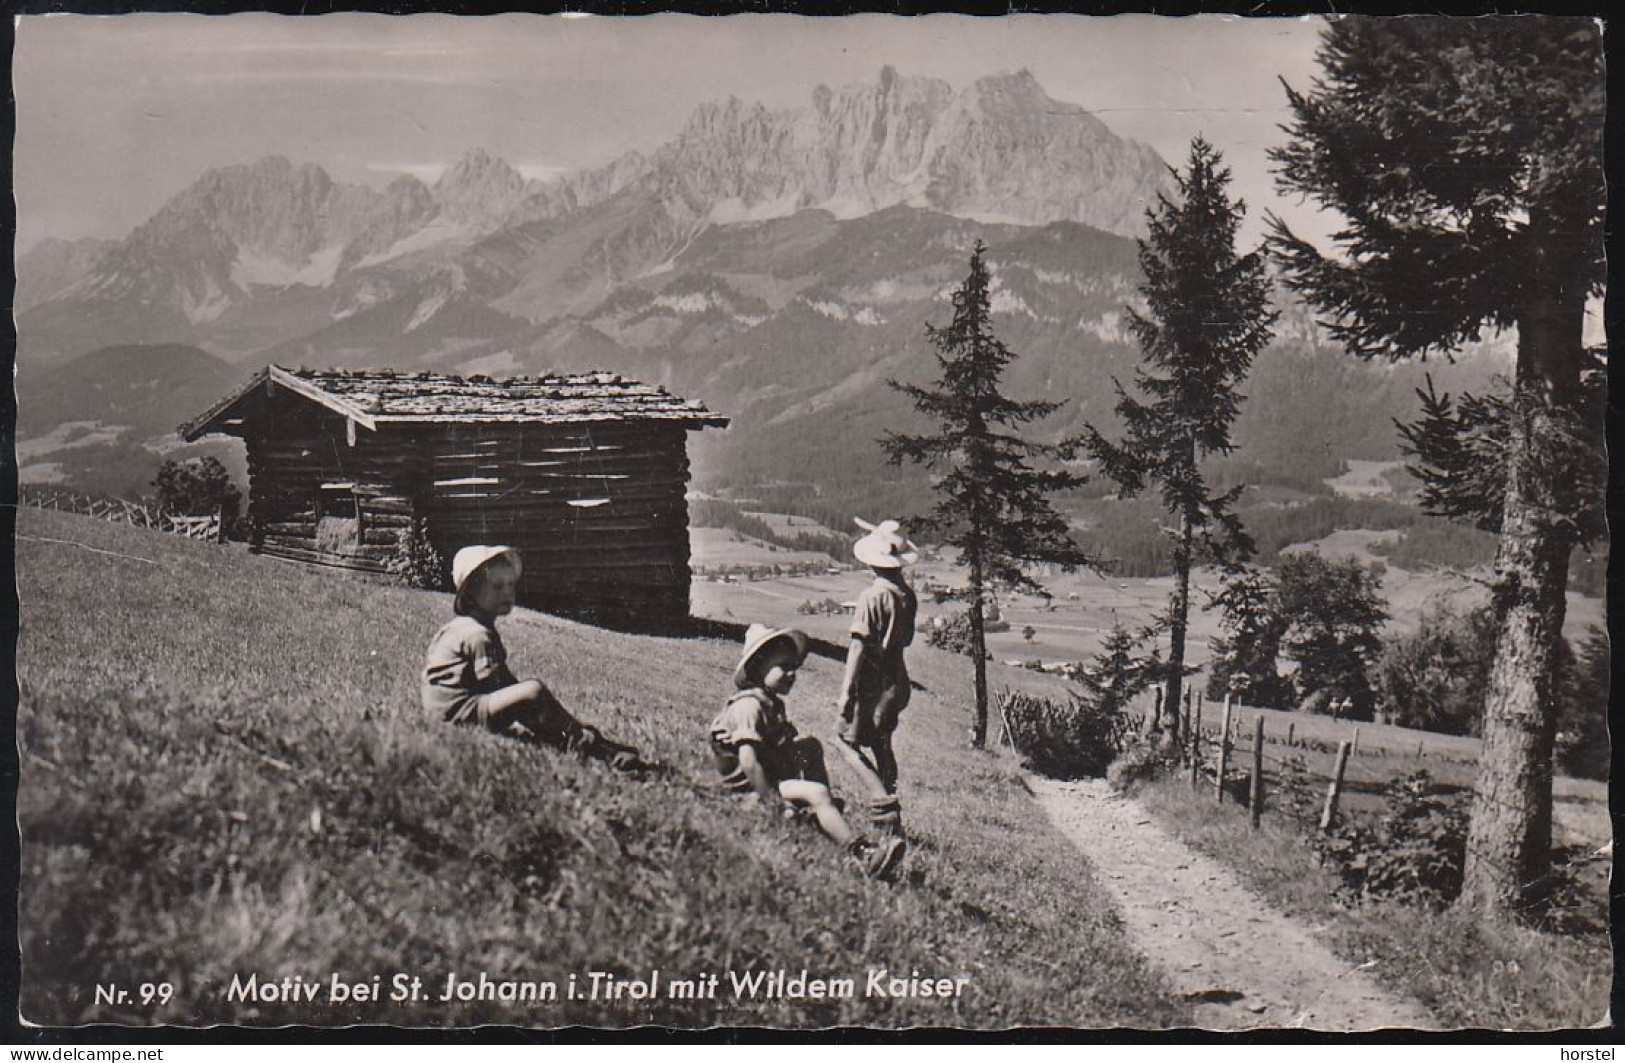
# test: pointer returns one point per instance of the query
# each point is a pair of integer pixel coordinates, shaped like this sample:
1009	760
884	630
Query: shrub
1064	739
1246	658
1144	757
1583	747
417	563
1334	612
1435	678
197	487
1297	793
1414	854
825	607
951	634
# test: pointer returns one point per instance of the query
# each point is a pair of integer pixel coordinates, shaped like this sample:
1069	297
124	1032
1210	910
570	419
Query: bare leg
532	706
520	703
874	783
815	795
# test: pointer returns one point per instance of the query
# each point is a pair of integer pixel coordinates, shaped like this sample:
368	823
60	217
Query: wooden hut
586	475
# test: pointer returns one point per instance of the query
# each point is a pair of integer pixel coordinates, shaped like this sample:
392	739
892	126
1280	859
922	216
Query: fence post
220	524
1255	802
1354	743
1000	700
1329	813
1290	727
1155	723
1419	754
1195	718
1224	753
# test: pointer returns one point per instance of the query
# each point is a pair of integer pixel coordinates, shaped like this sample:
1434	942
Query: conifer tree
1465	156
1333	613
1207	315
992	503
1246	658
1119	672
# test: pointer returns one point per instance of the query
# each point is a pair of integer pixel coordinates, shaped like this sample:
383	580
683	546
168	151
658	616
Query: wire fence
211	528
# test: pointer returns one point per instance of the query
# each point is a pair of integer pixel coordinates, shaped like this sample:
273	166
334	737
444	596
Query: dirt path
1241	963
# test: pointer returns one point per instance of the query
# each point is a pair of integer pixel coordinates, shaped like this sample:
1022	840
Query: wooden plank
373	553
527	471
540	503
390	506
327	560
609	572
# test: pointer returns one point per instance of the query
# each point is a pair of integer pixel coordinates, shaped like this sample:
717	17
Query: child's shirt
758	717
884	620
465	659
753	715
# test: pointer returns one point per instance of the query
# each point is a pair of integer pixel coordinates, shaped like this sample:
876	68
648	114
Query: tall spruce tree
1465	156
1207	315
992	503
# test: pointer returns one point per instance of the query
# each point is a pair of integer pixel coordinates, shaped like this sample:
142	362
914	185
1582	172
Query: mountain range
778	265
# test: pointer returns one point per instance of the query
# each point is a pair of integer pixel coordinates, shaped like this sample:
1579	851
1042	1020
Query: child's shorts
544	720
802	758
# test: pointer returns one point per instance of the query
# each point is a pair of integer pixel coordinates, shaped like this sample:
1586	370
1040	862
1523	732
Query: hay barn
586	475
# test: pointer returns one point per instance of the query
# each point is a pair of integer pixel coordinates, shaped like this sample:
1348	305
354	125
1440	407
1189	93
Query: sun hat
470	559
760	638
884	546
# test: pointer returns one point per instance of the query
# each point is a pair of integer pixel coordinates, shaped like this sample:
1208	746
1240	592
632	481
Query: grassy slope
225	772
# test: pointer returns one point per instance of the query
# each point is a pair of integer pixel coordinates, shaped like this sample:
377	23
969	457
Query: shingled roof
371	397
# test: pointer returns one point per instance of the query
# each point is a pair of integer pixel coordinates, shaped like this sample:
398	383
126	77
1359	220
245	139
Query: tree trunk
1178	619
978	643
1508	860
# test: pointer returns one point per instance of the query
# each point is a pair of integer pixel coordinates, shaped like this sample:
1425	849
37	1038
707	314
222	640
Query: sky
116	114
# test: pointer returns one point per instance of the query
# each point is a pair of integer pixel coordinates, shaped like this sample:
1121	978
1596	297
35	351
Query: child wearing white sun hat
466	679
757	748
875	687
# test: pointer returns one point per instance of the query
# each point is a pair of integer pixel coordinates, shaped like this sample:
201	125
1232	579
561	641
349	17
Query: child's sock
886	815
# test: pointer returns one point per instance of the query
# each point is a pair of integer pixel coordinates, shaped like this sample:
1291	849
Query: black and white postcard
789	522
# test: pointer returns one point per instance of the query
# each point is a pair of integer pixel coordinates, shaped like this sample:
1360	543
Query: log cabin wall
314	496
596	509
585	474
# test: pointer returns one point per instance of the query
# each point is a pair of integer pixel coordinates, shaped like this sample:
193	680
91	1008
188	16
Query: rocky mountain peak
1016	85
1001	148
479	189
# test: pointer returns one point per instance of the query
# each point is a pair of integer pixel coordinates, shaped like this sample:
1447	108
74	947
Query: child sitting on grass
465	671
757	749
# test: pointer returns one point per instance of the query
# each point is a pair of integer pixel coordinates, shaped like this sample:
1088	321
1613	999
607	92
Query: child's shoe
880	860
630	763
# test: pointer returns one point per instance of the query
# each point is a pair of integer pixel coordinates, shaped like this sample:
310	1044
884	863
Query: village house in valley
584	474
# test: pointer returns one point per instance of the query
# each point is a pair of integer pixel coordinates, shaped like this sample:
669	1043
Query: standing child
875	687
757	749
465	671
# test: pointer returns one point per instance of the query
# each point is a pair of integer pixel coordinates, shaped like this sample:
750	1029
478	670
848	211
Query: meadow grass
1468	972
225	772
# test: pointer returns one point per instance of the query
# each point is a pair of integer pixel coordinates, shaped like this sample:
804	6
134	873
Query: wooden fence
122	511
1207	740
1250	755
